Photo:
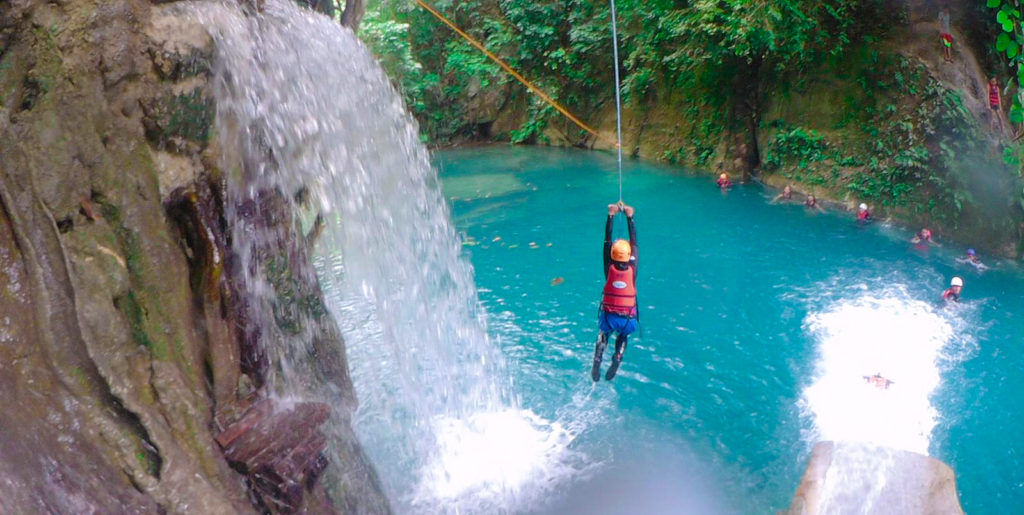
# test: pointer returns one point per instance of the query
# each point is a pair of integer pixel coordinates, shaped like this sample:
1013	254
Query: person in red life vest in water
923	238
723	181
618	303
863	215
953	292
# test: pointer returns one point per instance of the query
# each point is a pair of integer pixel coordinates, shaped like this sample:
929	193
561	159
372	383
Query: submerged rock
843	477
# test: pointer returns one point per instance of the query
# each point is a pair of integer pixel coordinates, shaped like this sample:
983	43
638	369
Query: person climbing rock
863	215
995	101
952	293
723	181
945	34
618	313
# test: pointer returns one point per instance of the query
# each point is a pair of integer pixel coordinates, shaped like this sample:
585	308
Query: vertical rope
618	98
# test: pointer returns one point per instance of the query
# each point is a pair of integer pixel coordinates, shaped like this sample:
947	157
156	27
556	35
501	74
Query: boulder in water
845	477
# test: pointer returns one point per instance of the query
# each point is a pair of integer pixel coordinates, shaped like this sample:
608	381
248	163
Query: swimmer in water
724	182
971	258
863	215
787	194
812	203
956	285
922	237
880	382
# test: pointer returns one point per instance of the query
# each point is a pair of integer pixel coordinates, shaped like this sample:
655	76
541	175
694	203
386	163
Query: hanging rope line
512	72
618	98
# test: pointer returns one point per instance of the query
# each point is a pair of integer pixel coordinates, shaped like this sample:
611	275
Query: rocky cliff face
132	372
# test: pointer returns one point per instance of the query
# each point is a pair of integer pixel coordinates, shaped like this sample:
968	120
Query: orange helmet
621	250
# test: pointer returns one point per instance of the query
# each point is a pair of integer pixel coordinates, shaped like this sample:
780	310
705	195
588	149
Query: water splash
886	333
305	112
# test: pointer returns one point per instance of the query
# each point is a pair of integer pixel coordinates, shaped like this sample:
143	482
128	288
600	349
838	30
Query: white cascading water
307	106
888	332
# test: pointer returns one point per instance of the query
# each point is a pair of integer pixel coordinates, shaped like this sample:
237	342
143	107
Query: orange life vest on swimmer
619	292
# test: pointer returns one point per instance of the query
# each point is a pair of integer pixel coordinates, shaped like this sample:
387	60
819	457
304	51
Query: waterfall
304	110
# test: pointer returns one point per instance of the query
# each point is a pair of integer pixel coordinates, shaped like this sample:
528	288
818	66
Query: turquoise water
759	321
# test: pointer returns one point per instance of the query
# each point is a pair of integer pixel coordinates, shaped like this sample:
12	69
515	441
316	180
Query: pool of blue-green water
708	412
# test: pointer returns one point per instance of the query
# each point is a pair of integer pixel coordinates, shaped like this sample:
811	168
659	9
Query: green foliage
564	46
1010	42
796	145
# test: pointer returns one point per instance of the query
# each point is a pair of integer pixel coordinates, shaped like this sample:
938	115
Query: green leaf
994	3
1012	50
1002	42
1016	114
1001	17
1008	26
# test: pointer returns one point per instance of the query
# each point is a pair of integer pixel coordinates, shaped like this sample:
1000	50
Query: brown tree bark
353	14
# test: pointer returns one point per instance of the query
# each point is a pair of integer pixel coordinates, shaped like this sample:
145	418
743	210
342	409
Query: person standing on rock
995	101
618	312
945	34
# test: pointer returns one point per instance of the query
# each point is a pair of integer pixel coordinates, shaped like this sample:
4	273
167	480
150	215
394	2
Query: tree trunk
742	156
353	14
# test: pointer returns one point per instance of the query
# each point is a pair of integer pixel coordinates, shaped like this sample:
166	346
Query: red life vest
619	292
993	95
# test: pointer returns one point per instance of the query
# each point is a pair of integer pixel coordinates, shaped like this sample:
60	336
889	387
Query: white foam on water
495	461
887	333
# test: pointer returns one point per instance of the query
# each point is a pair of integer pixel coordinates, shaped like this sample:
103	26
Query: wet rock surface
122	339
280	448
843	477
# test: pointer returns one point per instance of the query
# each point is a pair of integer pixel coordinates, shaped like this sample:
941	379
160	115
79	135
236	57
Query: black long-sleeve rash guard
608	245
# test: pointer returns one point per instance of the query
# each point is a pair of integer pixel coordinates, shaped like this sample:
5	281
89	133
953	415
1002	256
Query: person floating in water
812	203
618	312
971	258
923	237
787	194
956	285
880	382
723	181
863	215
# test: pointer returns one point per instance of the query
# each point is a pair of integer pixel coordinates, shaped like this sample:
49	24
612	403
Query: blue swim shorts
612	323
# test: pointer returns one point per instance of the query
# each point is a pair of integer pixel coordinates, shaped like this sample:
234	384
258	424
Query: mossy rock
173	121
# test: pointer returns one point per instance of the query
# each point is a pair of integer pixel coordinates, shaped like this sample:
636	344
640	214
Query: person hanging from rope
618	312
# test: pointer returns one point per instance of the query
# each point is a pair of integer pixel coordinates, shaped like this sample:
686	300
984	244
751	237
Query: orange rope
509	69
